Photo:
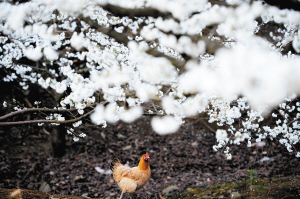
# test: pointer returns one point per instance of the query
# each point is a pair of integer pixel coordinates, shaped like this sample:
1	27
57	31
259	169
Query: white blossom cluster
89	68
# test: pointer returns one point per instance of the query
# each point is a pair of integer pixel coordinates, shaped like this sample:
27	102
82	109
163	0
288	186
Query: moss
260	188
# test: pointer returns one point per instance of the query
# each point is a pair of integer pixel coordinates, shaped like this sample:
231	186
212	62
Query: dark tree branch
122	38
14	2
176	62
119	37
46	121
36	110
286	4
136	12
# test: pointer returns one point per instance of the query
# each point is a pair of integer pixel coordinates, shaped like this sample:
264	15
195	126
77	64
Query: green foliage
251	180
260	188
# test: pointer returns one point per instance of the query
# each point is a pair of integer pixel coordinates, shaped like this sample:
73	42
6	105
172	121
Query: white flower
228	156
82	135
296	43
17	109
103	123
80	111
278	121
131	114
160	94
111	114
77	41
146	92
60	87
79	105
59	117
77	124
37	102
34	54
50	54
98	116
4	104
221	135
165	125
249	143
90	100
160	112
226	150
215	148
76	139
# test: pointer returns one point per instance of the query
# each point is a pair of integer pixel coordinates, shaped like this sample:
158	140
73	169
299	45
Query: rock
235	195
120	136
76	178
128	147
195	144
169	189
45	187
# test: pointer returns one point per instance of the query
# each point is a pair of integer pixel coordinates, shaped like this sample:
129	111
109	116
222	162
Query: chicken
131	179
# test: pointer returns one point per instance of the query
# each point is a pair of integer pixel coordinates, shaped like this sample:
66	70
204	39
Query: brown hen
131	179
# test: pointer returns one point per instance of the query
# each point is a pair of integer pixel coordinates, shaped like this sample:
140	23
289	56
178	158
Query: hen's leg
121	195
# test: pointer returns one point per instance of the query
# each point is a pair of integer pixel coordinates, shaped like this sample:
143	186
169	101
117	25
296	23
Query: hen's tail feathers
114	163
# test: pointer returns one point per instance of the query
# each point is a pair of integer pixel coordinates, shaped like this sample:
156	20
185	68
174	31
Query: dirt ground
184	160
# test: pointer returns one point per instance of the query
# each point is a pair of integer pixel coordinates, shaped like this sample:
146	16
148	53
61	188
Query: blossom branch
36	110
46	121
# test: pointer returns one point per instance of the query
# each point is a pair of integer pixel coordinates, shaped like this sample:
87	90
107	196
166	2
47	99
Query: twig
153	106
32	168
205	124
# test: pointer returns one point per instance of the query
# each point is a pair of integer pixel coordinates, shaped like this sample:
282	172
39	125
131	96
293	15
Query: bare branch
46	121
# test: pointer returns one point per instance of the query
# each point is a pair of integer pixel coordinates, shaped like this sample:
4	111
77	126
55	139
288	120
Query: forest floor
179	162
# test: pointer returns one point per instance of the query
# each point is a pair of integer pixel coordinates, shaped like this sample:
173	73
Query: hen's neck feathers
143	165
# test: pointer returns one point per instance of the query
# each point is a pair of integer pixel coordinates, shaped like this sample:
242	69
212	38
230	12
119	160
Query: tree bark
58	140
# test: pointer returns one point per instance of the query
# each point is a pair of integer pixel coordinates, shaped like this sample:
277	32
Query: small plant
260	188
251	180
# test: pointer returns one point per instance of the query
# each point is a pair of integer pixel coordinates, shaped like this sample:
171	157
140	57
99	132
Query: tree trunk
58	141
